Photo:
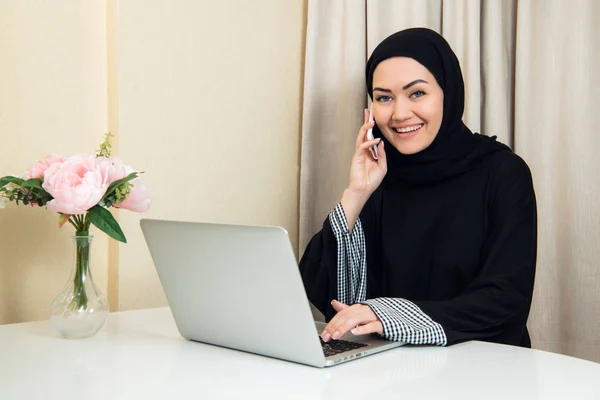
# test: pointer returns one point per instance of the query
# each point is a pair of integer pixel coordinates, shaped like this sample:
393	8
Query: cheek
382	118
382	115
439	110
434	114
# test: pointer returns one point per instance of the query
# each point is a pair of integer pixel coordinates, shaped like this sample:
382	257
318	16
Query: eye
417	93
383	99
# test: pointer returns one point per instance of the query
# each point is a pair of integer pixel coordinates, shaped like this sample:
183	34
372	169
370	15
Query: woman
433	242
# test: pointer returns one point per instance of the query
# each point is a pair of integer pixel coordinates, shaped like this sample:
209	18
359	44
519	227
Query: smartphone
370	134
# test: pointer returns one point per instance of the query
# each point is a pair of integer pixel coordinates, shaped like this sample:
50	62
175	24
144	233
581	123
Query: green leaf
10	179
41	198
119	182
104	220
32	184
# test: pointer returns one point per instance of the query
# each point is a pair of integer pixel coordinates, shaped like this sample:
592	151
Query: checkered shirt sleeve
351	264
401	319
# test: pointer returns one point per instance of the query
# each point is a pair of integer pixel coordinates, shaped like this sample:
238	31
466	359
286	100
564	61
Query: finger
338	306
342	329
330	328
372	327
368	144
358	319
358	314
360	136
338	319
347	318
362	133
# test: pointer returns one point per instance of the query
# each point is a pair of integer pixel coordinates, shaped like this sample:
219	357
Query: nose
402	110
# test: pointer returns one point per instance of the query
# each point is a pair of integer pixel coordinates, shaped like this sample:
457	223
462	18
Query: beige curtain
532	75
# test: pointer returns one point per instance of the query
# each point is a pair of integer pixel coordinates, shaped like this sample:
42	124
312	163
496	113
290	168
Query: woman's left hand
357	318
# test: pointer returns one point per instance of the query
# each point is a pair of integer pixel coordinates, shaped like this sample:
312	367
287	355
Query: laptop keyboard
334	347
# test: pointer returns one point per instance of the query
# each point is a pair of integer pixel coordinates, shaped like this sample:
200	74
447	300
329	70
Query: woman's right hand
366	173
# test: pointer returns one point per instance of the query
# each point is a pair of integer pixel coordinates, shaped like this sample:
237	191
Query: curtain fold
557	94
498	48
334	96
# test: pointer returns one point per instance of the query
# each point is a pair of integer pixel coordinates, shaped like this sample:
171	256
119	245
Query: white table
140	355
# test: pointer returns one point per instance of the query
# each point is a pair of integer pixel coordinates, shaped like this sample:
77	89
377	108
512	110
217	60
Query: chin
409	148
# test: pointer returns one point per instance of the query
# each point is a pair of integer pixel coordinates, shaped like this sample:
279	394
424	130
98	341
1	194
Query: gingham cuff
351	258
403	321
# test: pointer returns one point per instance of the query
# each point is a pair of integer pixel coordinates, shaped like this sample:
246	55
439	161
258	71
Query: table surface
139	354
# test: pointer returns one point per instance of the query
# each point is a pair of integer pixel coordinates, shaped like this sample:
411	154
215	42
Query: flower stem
78	222
73	223
82	260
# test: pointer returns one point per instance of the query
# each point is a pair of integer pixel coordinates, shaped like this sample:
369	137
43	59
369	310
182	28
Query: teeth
408	129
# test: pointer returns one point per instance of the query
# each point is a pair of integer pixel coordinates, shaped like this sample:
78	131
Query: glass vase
80	309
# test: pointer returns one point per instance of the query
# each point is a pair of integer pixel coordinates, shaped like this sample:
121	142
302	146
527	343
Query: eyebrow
407	86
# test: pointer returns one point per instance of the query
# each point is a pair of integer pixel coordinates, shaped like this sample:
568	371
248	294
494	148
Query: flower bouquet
81	189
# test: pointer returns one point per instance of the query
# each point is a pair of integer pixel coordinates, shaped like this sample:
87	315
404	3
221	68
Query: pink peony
139	198
37	171
77	184
114	167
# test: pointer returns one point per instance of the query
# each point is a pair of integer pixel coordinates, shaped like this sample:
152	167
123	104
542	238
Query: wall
204	97
52	100
209	105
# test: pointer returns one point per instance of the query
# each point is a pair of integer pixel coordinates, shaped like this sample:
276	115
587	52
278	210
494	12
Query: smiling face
408	104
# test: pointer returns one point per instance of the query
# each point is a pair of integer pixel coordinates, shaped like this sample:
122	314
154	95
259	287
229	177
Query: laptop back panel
235	286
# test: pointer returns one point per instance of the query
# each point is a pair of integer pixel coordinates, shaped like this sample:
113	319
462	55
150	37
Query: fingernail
353	331
325	336
336	335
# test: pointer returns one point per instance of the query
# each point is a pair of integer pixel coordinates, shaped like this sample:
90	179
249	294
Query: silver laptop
240	287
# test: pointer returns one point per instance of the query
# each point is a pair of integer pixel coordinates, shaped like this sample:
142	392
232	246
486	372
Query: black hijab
455	149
